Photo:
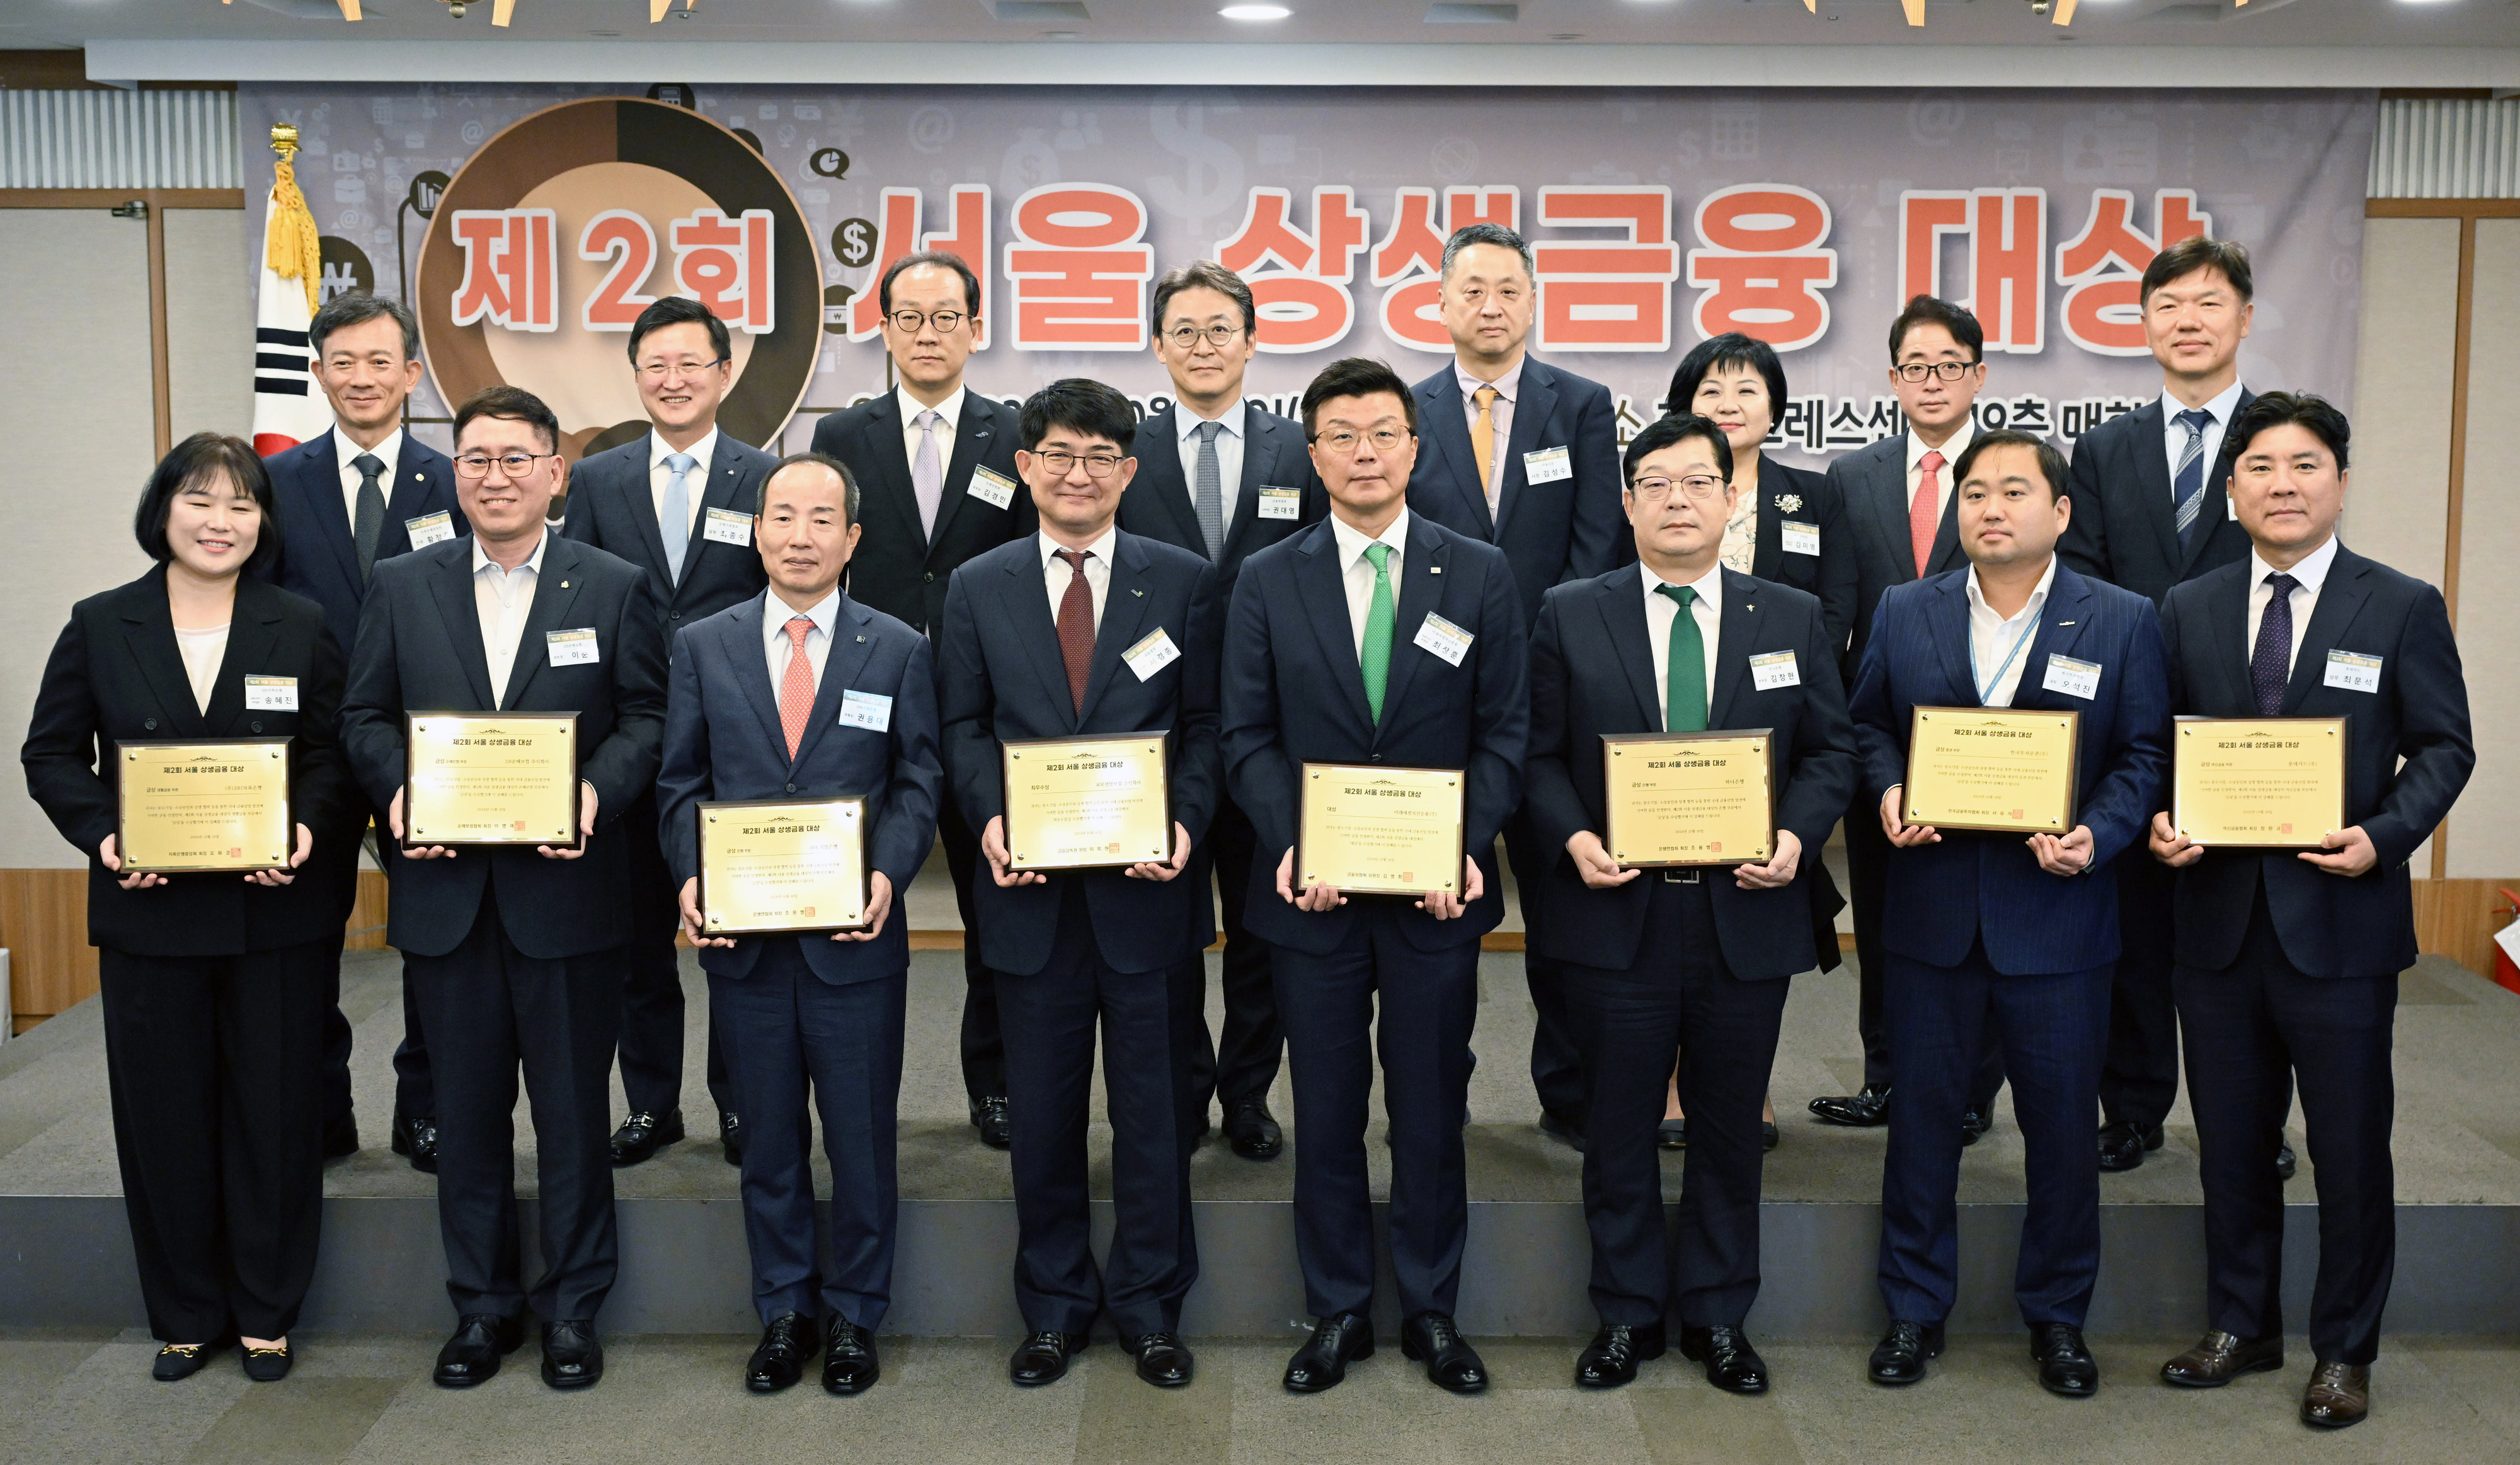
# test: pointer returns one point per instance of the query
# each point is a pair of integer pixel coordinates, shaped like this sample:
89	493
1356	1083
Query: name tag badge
2352	671
1440	637
726	527
1547	465
271	693
431	529
2072	677
1798	539
1774	669
992	487
571	648
866	709
1280	503
1152	655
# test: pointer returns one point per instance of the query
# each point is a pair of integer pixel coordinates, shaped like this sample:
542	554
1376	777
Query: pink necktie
1926	513
796	688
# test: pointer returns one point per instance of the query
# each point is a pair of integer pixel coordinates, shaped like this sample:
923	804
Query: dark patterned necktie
2270	663
368	526
1076	624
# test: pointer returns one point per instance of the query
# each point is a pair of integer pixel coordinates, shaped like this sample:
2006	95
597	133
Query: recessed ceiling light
1255	12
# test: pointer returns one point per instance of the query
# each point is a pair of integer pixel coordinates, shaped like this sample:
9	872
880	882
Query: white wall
2485	826
209	322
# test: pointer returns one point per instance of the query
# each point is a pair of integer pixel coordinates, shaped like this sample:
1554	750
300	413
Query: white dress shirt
2311	573
2174	438
1500	416
1055	574
204	651
776	649
1229	454
1662	613
949	420
694	483
387	452
1944	484
504	597
1356	573
1992	638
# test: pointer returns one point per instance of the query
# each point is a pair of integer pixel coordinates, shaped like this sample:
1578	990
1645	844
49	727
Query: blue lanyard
1987	686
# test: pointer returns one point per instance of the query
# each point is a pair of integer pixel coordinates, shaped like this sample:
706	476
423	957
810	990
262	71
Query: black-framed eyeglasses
946	322
1096	464
1186	337
513	465
1949	370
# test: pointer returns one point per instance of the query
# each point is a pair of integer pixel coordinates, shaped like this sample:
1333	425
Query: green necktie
1684	702
1376	657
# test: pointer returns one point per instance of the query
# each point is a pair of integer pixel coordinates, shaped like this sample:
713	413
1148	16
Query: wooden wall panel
43	922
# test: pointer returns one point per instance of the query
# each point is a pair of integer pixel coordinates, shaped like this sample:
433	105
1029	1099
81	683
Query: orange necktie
1925	511
796	688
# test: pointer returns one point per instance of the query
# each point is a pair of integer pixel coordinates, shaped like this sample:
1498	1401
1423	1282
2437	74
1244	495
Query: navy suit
2286	972
1294	693
320	560
1978	933
515	956
612	505
1092	947
795	1009
1680	959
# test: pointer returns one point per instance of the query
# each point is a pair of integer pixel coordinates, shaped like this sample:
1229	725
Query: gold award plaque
2275	783
1689	799
490	778
772	865
199	807
1380	831
1992	768
1076	804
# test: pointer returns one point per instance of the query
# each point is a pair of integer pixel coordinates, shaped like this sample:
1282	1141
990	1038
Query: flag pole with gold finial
293	251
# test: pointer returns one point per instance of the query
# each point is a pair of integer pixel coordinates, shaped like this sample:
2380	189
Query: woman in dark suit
215	984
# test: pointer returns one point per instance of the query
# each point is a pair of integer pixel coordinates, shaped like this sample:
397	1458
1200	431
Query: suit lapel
1028	610
1947	555
1443	428
1159	454
1621	603
1539	398
2216	507
1766	553
1950	619
1734	638
253	630
2227	637
753	675
848	654
636	504
321	476
2062	623
149	629
719	491
1321	587
2339	599
1126	602
452	588
408	494
972	434
1885	489
1421	588
2156	498
555	593
888	463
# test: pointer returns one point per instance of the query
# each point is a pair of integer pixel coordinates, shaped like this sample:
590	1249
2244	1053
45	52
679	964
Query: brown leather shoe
2339	1395
2220	1358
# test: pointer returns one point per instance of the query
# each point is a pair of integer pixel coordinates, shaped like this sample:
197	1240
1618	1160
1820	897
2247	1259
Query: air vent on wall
1037	11
1444	13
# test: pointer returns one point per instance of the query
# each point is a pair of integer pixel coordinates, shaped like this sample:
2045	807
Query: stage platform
65	1251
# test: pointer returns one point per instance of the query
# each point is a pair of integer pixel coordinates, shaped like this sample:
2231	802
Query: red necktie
796	688
1076	624
1926	512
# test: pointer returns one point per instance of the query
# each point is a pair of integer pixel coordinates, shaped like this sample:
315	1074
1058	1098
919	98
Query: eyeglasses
1096	464
946	322
1186	337
657	371
1697	488
1343	441
1949	370
513	465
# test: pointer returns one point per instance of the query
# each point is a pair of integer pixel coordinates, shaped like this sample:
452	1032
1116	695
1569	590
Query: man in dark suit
515	953
1223	478
802	693
1691	958
1524	456
365	491
2288	959
1992	933
1317	670
935	462
1086	631
1900	513
679	504
2151	513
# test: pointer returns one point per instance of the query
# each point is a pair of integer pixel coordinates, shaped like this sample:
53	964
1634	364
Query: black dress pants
1242	1062
1680	993
651	987
1868	870
984	1044
2139	1077
214	1064
2255	1029
1557	1050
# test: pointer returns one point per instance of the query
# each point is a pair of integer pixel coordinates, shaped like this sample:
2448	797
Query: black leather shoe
2066	1366
1861	1111
1610	1360
849	1363
642	1135
1672	1134
268	1365
1337	1341
472	1357
573	1355
1566	1129
730	1138
787	1343
989	1117
1732	1363
1043	1358
417	1140
1899	1357
1162	1360
2123	1144
1451	1362
181	1360
2285	1164
1251	1130
1769	1137
341	1140
1974	1122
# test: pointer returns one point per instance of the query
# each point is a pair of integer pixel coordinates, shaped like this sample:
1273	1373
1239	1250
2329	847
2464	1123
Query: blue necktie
2188	481
674	519
2271	661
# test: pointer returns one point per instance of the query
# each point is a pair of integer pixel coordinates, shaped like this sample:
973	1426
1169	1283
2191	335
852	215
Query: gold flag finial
284	139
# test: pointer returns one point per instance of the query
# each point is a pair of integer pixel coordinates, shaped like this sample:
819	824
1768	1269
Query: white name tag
1798	539
1774	669
866	709
1547	465
726	527
1152	655
1441	637
992	487
2353	671
1280	503
2072	677
431	529
571	648
271	693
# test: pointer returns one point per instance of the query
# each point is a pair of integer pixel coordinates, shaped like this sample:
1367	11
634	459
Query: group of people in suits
1469	573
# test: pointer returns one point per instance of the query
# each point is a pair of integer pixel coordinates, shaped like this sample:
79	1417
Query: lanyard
1986	687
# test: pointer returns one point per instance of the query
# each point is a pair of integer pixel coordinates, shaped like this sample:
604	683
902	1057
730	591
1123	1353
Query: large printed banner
527	226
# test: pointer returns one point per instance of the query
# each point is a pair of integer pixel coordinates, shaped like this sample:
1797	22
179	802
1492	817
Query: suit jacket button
151	725
255	726
1377	758
927	577
791	787
677	615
